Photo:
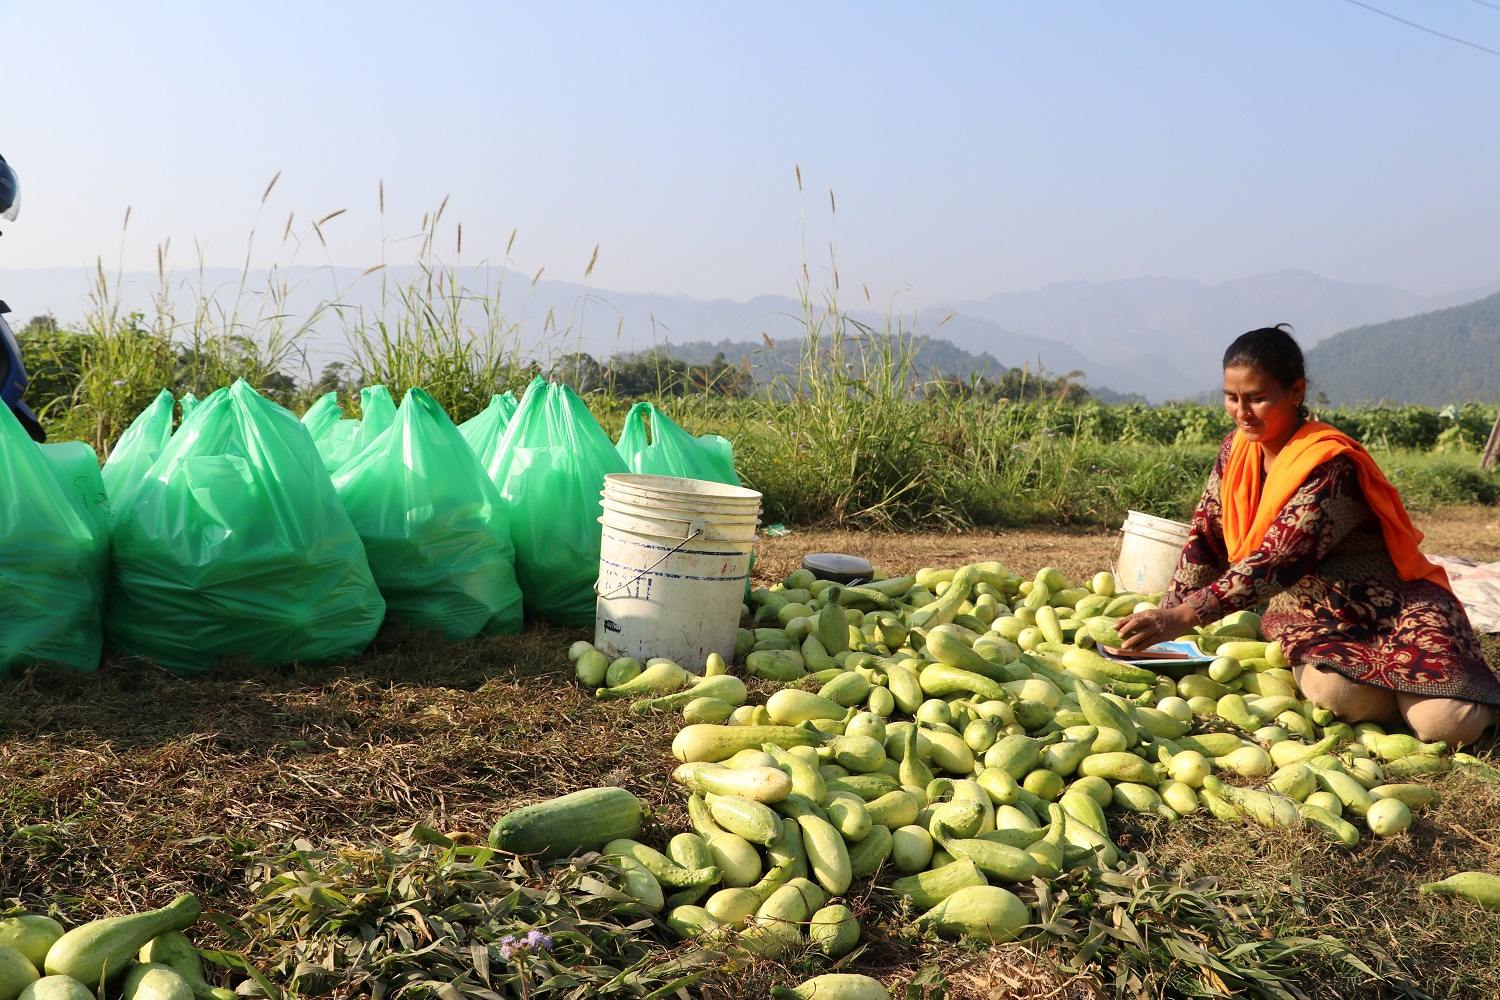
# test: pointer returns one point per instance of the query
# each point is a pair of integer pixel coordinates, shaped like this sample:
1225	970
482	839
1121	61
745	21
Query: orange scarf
1250	507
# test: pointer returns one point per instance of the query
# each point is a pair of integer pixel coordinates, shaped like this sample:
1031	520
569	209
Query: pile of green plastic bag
434	527
549	467
235	545
249	534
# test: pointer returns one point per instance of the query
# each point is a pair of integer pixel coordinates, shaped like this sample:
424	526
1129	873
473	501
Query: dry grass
1470	532
1369	895
115	771
1078	552
126	786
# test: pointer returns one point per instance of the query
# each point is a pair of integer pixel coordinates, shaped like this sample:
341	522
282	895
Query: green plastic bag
322	415
53	557
550	467
484	431
138	447
377	411
76	466
668	450
336	446
339	440
236	545
434	527
189	403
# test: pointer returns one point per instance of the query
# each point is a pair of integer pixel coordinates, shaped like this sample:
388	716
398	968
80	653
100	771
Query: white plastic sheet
1477	585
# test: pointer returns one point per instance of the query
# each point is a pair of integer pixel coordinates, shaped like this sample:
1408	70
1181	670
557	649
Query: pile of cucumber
140	956
958	734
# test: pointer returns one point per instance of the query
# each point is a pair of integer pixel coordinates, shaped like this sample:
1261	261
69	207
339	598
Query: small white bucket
673	562
1149	550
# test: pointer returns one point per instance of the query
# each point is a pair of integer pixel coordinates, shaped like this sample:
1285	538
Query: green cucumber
927	889
987	912
833	930
98	950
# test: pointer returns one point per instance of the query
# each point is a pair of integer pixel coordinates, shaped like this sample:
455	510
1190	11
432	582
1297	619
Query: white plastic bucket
673	562
1149	550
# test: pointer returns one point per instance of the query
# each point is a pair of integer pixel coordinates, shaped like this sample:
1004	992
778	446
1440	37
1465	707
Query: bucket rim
1151	520
677	485
665	510
747	516
1174	538
680	502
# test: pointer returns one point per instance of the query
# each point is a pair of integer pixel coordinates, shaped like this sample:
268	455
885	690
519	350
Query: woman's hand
1147	628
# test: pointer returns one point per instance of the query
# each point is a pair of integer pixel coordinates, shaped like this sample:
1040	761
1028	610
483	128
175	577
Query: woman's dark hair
1272	351
1269	350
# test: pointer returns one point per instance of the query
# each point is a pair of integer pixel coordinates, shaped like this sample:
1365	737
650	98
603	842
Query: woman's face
1264	410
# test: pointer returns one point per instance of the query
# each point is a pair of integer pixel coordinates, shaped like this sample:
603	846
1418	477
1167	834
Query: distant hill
1447	356
934	356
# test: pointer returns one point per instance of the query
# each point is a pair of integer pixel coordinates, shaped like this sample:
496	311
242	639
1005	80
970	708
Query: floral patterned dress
1335	597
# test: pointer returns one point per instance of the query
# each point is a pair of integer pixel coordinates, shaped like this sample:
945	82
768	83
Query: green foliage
93	381
1426	480
849	435
1158	933
437	333
53	357
429	918
1417	428
1465	428
849	426
1014	384
655	374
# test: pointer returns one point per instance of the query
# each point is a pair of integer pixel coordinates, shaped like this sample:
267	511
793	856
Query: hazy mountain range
1159	337
1165	338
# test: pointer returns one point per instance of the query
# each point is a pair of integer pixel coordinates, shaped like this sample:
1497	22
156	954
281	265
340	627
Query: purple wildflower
507	946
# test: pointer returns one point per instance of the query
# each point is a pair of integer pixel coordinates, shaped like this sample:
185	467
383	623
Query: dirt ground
1468	532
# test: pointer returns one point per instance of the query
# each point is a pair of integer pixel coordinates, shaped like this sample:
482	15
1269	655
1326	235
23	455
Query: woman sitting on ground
1297	513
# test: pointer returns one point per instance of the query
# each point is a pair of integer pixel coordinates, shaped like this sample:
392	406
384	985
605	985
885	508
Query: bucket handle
673	551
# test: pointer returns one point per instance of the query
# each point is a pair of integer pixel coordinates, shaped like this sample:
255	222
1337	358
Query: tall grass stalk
436	332
123	358
855	434
242	331
121	364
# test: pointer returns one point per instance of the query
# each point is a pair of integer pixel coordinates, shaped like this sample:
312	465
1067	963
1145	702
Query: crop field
127	786
849	430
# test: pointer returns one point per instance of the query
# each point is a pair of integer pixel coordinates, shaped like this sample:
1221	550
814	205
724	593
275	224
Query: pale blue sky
973	148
